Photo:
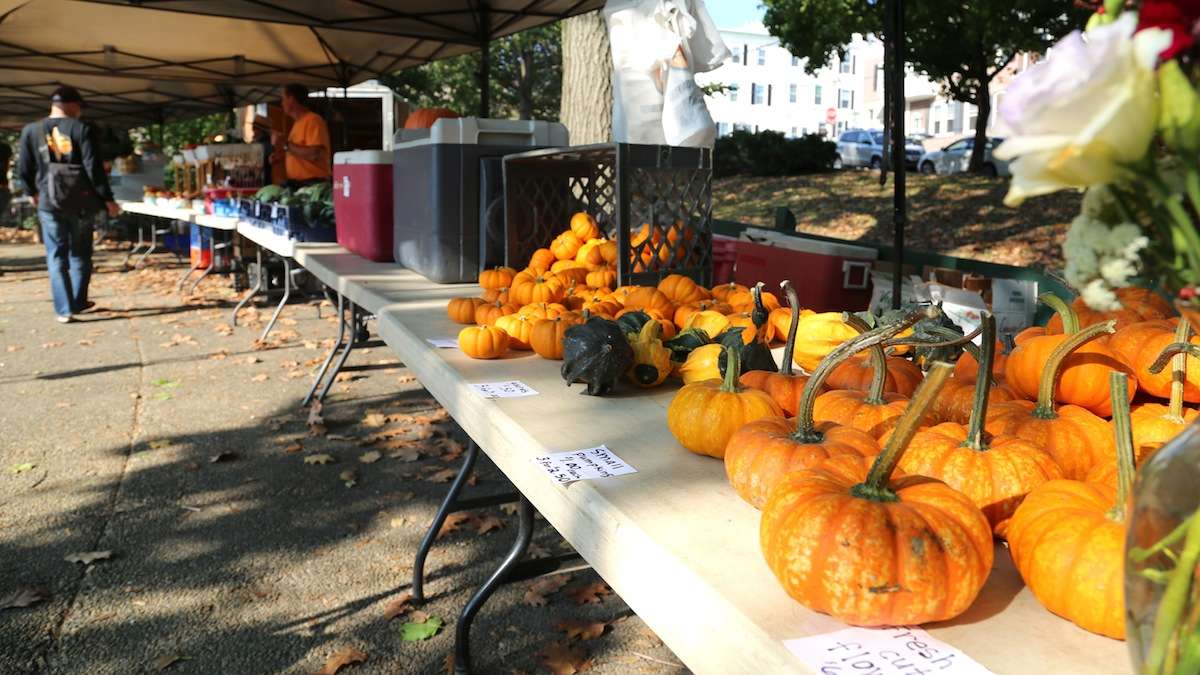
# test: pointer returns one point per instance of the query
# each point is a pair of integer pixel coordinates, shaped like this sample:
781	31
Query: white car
956	157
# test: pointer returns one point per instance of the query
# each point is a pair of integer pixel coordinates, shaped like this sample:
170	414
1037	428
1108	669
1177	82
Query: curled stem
878	358
1056	361
789	347
1118	384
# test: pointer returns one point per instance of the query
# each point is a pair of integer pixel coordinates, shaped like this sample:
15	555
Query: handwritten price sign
882	651
586	464
510	389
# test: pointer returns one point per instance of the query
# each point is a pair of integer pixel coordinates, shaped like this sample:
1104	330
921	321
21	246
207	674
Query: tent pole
899	199
485	60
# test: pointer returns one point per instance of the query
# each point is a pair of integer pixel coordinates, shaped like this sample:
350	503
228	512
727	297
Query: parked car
862	147
956	157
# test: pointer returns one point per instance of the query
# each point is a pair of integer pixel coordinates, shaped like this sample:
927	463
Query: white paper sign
443	343
586	464
882	651
510	389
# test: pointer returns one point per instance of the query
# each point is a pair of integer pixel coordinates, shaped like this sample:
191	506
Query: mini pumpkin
584	226
870	550
701	364
543	287
684	313
702	416
1067	538
496	277
494	294
589	254
1137	304
648	297
781	319
682	290
1154	423
819	334
901	376
541	260
1140	345
546	335
957	399
486	314
566	245
709	321
651	360
604	278
483	342
786	386
462	310
724	290
519	328
595	353
756	349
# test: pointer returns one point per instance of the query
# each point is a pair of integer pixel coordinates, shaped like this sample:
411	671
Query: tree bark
983	111
586	107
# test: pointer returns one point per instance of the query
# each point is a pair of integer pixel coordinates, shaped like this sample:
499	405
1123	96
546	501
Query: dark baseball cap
66	94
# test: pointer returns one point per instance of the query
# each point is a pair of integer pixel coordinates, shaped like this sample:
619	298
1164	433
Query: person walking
307	151
62	167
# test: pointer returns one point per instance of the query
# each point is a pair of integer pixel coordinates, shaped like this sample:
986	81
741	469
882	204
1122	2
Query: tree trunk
983	109
525	85
586	107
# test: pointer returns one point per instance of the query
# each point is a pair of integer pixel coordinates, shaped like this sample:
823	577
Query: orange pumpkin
486	314
494	294
605	278
1075	437
1084	374
648	297
955	402
901	376
967	366
462	310
684	312
565	246
590	254
519	329
1154	423
483	342
543	310
541	260
1140	345
603	308
745	321
744	302
584	226
996	472
1137	304
546	335
871	550
496	278
758	454
785	386
1067	538
544	287
573	276
609	251
723	291
423	118
682	290
703	415
781	319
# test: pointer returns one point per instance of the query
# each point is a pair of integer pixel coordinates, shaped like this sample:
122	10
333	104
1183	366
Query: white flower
1100	297
1089	107
1101	258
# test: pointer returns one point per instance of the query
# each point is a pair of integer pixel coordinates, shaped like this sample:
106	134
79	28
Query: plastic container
437	182
362	203
827	276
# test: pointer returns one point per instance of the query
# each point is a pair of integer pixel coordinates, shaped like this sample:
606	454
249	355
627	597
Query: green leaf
162	396
164	383
21	468
1179	116
416	632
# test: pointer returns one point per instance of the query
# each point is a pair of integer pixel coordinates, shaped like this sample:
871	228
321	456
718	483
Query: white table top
267	239
216	222
372	285
674	540
144	209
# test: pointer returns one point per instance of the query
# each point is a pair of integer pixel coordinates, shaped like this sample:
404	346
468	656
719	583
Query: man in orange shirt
307	152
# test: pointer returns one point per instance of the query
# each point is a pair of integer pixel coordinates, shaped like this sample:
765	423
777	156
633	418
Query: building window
792	93
793	132
846	65
733	94
878	78
737	55
937	126
795	61
762	56
845	98
722	128
756	94
817	95
741	127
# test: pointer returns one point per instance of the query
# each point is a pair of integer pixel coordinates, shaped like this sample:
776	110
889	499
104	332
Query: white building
771	90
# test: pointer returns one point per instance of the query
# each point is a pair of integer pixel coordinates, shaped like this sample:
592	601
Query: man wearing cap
61	165
307	150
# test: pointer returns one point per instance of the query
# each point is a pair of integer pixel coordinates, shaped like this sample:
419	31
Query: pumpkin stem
1070	319
1177	352
968	346
1123	426
806	431
878	358
789	347
1058	358
952	339
983	385
875	487
733	369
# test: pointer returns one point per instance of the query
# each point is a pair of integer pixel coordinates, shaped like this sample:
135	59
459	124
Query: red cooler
828	276
362	202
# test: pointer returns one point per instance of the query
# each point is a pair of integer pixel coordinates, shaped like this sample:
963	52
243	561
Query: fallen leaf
261	377
346	656
415	632
223	329
288	365
251	360
159	444
339	437
397	607
349	478
589	593
418	616
164	383
167	660
296	374
581	630
219	355
370	457
20	468
406	454
454	450
535	594
318	459
374	420
561	658
314	413
23	597
442	476
13	348
222	457
88	558
52	345
455	522
86	343
488	523
317	430
293	447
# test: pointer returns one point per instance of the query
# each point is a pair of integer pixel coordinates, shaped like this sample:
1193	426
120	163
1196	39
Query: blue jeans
69	258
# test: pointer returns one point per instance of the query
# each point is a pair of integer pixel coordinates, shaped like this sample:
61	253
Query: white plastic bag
645	36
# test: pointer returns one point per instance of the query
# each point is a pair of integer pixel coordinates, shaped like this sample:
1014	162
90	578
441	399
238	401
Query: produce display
314	201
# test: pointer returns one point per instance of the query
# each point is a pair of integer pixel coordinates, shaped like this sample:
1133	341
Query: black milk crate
662	192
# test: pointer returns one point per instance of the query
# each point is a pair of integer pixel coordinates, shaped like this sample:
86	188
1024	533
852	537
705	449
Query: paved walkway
155	440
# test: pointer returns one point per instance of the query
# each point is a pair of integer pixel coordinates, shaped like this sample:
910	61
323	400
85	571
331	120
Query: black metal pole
485	60
899	198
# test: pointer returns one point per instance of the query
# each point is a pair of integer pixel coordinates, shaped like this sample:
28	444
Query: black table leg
332	351
447	507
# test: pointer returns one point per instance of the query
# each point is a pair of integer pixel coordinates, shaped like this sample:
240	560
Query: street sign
831	115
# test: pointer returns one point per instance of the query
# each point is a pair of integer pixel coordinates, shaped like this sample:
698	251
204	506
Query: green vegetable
415	631
270	193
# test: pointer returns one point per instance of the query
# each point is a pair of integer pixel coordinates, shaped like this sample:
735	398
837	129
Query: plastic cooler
441	222
827	276
362	202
